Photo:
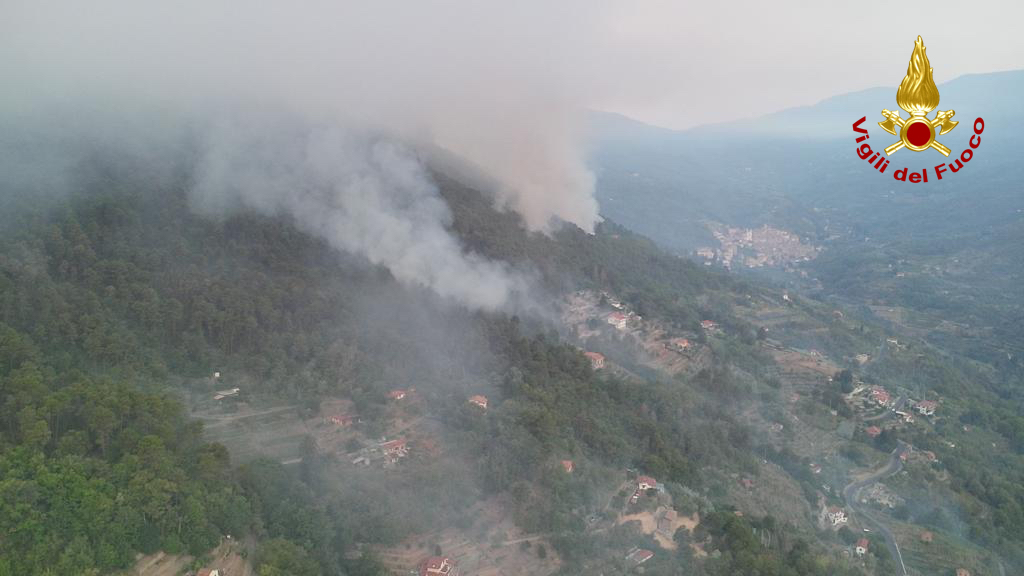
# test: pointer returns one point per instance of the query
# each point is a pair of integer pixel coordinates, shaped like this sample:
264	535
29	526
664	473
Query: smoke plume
362	193
316	110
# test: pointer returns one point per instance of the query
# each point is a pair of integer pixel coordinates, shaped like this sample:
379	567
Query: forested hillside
118	302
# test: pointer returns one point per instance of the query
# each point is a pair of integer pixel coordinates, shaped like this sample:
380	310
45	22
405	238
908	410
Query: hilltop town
757	247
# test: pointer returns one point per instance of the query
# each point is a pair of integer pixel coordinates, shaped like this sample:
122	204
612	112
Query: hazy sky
671	63
320	109
712	61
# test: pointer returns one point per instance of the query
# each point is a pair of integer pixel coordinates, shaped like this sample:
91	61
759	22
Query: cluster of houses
881	397
385	452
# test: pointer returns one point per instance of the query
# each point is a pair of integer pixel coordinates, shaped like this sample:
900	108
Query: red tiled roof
436	565
640	556
393	444
863	543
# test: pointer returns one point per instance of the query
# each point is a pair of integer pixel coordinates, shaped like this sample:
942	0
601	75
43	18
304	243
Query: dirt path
228	558
211	420
649	525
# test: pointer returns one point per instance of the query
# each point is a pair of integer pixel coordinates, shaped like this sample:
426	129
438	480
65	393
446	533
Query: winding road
852	496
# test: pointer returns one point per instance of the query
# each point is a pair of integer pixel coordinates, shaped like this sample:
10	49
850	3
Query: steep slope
123	284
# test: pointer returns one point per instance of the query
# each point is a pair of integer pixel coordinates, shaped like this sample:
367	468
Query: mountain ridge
806	120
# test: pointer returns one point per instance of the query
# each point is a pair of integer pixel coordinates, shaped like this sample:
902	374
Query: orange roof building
343	420
645	482
618	320
596	360
438	566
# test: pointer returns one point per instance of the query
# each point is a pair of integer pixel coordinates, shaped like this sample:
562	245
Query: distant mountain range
955	244
996	95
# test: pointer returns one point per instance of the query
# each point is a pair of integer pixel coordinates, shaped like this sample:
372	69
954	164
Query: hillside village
861	412
807	491
757	247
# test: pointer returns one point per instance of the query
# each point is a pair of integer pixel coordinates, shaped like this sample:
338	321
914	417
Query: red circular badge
919	134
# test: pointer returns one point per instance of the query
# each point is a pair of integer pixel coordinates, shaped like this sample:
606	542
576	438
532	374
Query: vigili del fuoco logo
918	96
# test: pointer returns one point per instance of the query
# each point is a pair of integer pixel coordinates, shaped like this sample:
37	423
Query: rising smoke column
496	84
363	193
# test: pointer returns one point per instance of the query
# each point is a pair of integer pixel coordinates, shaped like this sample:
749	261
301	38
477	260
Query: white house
835	516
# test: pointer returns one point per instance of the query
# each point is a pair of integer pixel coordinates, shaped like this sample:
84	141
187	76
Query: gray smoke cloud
362	193
364	84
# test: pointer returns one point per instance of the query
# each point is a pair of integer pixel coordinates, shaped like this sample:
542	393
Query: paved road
890	411
852	496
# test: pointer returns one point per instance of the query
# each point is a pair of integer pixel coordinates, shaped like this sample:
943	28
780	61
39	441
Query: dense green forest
118	302
118	299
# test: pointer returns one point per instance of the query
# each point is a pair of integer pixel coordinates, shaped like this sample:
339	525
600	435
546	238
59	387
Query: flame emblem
918	95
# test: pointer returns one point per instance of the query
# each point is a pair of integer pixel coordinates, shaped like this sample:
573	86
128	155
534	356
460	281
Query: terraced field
493	546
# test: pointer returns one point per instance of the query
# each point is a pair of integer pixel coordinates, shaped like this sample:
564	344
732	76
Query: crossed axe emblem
942	119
